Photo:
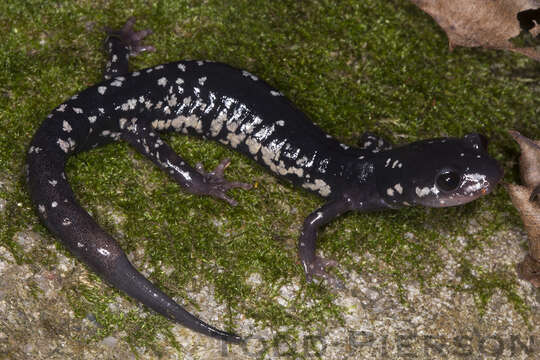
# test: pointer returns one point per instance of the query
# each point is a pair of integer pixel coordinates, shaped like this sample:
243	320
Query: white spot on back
64	145
253	145
162	81
250	75
217	124
319	185
66	127
102	89
122	122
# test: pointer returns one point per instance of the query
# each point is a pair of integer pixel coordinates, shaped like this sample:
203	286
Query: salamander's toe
215	183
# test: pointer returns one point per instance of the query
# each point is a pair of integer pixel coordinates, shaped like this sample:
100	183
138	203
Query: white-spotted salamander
218	102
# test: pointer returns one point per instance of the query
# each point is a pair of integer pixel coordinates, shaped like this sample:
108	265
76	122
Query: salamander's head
437	172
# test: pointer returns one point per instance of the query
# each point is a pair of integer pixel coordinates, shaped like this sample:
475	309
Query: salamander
234	107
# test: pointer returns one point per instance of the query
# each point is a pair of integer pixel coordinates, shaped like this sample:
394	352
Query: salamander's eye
448	180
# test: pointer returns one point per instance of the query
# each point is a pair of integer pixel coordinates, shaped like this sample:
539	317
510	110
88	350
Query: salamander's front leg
120	45
194	180
313	264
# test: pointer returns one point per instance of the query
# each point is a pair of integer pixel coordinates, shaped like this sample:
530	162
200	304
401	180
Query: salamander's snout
494	174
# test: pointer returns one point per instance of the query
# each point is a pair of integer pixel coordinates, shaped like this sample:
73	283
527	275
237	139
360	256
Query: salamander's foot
318	268
131	38
215	184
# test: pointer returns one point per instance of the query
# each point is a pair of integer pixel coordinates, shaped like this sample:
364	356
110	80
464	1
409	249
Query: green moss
484	284
350	65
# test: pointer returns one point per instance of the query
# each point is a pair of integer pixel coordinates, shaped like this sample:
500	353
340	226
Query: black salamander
234	107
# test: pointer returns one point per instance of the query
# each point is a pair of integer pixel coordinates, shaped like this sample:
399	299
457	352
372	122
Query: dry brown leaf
527	201
486	23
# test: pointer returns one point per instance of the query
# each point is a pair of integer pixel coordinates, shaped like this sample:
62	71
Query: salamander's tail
63	216
126	278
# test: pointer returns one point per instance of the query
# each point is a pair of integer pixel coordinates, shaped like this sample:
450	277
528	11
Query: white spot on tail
103	251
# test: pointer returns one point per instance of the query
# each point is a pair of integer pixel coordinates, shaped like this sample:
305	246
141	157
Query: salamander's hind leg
194	180
120	45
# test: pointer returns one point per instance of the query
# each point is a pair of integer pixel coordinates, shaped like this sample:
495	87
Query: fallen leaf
488	23
527	203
